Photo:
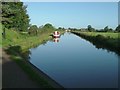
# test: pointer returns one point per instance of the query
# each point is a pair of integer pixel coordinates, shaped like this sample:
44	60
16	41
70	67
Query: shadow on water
17	50
101	43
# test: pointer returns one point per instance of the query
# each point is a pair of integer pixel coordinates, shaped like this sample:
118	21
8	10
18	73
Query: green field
105	34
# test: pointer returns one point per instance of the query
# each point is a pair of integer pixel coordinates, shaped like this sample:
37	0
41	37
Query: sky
70	0
74	14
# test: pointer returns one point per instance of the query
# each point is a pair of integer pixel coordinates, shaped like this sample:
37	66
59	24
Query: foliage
117	28
14	15
106	29
48	26
61	28
110	30
90	29
33	30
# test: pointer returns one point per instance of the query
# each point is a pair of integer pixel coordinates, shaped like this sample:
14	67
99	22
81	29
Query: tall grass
24	40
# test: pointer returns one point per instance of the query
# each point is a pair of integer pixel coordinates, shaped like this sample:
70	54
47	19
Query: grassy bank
26	41
14	38
17	44
108	40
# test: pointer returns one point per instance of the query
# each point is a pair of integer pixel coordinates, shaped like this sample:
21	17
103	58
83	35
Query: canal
74	62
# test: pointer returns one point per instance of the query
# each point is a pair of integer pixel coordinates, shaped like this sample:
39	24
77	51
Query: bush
100	37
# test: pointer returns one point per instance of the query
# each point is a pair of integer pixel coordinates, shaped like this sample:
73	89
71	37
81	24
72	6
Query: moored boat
56	34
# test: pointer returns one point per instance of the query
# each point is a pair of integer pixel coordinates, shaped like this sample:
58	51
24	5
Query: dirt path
13	76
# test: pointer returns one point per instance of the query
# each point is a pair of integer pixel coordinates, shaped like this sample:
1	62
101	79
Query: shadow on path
13	76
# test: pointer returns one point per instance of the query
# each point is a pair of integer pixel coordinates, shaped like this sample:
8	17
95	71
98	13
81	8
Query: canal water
74	62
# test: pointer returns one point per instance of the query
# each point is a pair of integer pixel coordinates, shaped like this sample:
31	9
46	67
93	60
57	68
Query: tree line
91	29
15	17
34	30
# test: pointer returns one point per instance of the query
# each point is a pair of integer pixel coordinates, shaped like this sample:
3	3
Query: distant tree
110	30
117	28
33	30
47	28
90	29
63	28
48	25
101	30
71	28
59	28
97	30
106	29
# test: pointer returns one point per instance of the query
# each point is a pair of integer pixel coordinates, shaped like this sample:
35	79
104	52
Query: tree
7	14
110	30
48	25
33	30
90	29
117	28
59	28
14	15
106	29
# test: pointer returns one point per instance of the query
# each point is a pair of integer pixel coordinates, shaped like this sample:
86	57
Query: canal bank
19	56
14	76
109	41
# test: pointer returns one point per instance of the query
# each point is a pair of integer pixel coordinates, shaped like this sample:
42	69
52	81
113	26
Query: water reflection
77	63
56	40
101	45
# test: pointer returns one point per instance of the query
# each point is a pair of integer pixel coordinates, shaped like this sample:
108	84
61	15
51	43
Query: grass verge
110	41
17	46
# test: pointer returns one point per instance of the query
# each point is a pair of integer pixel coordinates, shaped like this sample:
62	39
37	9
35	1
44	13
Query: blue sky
74	14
